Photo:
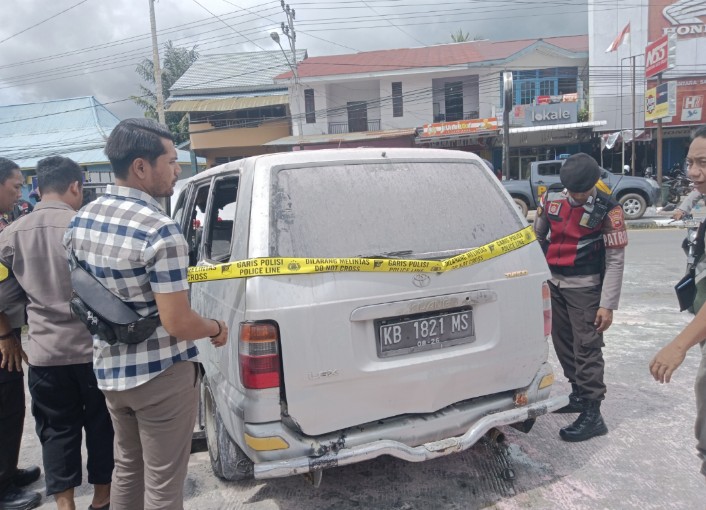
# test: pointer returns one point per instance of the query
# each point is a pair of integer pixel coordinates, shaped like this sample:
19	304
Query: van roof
333	155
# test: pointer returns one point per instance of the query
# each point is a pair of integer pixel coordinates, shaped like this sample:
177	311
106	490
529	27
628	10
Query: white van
407	347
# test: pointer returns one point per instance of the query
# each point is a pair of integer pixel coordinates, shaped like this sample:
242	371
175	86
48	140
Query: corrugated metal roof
344	137
442	55
232	72
76	128
227	104
36	130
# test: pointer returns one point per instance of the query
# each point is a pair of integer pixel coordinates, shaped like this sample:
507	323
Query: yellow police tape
4	273
285	266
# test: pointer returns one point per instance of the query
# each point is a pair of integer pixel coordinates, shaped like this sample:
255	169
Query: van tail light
258	353
547	308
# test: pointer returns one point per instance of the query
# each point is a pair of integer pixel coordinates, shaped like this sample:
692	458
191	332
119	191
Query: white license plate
431	331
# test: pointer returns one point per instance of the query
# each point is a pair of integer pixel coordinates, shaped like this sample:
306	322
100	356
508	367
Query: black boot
15	498
589	424
576	404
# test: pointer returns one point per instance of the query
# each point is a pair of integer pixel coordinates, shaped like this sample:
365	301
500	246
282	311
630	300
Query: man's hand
604	318
222	338
678	214
12	354
666	362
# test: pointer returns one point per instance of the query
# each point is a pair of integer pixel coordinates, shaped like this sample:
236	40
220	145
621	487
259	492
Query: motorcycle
679	185
689	242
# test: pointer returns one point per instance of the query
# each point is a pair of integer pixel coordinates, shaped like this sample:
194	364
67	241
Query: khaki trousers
153	427
700	427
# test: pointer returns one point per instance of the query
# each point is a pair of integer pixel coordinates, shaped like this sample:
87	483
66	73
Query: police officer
582	230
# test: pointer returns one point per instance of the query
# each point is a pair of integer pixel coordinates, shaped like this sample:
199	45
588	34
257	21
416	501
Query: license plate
423	333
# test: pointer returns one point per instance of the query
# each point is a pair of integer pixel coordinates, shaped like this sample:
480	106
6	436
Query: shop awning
226	104
342	138
554	127
609	140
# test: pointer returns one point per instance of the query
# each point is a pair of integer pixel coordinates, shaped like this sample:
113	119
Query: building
446	95
611	80
76	128
233	104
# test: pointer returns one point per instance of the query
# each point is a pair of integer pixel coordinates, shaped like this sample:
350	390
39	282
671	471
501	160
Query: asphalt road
647	461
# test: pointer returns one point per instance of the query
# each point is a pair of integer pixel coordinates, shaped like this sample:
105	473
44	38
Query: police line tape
286	266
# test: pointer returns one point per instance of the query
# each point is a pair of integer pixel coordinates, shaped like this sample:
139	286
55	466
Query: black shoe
15	498
576	405
26	476
589	424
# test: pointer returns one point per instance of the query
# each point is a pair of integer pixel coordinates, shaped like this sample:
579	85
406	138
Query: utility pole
157	69
632	155
507	104
288	30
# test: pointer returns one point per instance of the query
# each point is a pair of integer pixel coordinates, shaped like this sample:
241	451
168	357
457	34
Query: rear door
362	346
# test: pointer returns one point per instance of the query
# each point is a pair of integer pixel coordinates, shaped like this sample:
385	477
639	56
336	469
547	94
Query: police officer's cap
580	173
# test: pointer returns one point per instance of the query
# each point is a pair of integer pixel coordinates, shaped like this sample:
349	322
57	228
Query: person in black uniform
12	393
582	231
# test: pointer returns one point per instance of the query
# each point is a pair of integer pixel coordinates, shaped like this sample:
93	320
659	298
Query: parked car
635	194
388	355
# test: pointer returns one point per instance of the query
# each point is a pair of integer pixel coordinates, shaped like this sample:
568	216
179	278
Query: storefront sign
560	113
661	101
459	127
688	103
660	55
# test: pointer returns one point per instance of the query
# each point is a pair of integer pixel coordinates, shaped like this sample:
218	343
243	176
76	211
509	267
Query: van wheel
228	461
634	206
521	205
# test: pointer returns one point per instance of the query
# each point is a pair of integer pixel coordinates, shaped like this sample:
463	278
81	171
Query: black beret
580	173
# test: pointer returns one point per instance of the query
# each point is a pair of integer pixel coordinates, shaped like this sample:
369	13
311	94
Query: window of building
453	98
397	99
554	81
309	106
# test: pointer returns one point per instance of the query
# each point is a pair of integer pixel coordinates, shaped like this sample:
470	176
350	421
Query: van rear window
398	209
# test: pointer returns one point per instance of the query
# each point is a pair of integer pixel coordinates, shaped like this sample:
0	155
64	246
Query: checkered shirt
127	242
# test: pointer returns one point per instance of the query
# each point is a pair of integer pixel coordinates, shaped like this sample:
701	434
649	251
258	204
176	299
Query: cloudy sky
93	47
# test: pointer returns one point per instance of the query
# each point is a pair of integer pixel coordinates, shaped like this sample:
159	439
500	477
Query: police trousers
65	402
153	426
700	391
577	343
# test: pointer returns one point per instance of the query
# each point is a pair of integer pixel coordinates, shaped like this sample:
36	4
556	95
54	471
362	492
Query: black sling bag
107	316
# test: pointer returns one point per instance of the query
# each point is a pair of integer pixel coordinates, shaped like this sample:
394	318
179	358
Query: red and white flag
623	37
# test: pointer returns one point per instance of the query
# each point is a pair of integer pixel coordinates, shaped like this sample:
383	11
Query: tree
175	63
462	36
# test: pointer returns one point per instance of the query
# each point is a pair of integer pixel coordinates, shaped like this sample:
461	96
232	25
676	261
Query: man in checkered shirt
136	251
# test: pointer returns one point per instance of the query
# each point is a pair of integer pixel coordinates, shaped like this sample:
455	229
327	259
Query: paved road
647	461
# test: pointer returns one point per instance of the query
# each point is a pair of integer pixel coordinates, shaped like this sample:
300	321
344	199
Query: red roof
429	56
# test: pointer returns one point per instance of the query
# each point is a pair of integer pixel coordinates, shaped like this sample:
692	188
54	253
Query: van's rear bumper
426	451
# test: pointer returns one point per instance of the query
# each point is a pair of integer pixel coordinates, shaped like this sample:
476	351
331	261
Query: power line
43	21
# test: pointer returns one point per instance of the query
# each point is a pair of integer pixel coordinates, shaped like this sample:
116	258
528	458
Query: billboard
661	101
660	55
460	127
686	21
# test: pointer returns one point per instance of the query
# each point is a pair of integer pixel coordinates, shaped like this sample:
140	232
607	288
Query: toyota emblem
421	280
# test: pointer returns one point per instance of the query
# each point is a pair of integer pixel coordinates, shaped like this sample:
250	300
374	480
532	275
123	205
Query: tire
634	206
674	197
521	205
228	460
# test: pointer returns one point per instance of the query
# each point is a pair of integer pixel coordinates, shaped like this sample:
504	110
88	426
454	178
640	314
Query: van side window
221	218
195	224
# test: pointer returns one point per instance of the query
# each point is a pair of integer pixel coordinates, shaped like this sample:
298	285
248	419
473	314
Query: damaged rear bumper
423	452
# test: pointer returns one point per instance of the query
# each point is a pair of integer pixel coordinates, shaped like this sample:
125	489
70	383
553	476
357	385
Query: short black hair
57	173
699	133
132	139
7	168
